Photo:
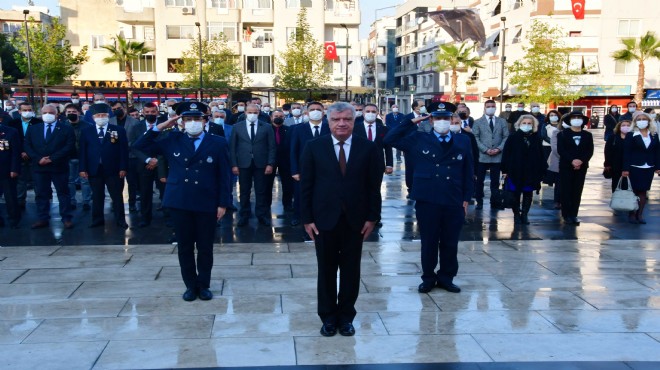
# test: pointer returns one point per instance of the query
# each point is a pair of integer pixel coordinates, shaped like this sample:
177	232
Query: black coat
523	160
568	151
381	131
610	122
614	154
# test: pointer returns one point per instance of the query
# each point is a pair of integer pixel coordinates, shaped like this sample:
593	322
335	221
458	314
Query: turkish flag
330	50
578	8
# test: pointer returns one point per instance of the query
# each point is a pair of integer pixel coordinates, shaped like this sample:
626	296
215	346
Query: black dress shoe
347	330
40	224
576	221
68	225
73	206
205	294
328	330
242	221
2	222
122	225
450	287
264	222
425	287
479	206
295	222
190	295
97	224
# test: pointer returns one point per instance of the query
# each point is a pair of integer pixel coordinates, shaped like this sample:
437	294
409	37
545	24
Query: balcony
582	42
258	15
381	59
145	16
382	76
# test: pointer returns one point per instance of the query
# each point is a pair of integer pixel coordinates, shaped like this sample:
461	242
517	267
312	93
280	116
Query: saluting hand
167	124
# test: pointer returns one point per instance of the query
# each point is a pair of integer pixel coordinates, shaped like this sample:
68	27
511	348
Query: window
629	27
298	3
11	27
181	32
172	64
496	42
493	70
625	68
257	4
517	4
575	34
498	8
222	4
179	3
258	64
228	29
149	33
329	4
97	41
146	63
518	37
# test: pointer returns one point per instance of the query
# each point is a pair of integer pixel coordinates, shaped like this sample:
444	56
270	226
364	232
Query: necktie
277	135
252	132
101	134
443	138
317	133
49	131
192	142
370	137
492	126
342	158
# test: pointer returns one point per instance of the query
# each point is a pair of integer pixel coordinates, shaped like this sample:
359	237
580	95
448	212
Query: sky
367	8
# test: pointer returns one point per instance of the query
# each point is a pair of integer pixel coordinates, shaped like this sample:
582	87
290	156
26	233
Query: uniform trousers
246	176
338	248
43	193
8	189
146	179
115	186
194	229
24	180
440	229
571	185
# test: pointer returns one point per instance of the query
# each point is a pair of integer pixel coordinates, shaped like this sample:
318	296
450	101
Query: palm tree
455	57
647	48
125	52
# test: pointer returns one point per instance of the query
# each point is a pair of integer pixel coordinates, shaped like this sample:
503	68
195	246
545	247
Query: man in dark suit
300	135
513	117
340	188
443	186
10	168
26	118
104	161
49	145
463	112
296	116
73	118
252	152
372	129
197	192
282	163
122	119
632	108
393	120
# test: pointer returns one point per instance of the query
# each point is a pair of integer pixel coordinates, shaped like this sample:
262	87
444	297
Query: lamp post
201	79
412	88
460	23
29	56
343	25
503	59
396	95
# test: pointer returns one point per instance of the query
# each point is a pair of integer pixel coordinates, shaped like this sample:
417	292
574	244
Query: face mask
278	121
240	108
151	118
315	115
48	118
632	109
221	106
625	129
441	126
455	128
99	101
653	115
72	117
75	101
296	112
214	109
358	113
463	115
305	119
520	109
370	117
266	109
194	128
286	112
423	110
251	117
536	109
565	125
119	112
102	122
395	110
27	115
525	128
170	111
490	111
218	121
554	118
642	124
507	109
576	122
614	109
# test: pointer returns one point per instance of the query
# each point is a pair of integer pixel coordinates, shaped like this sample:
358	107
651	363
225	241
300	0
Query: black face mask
72	117
119	112
463	115
278	121
151	118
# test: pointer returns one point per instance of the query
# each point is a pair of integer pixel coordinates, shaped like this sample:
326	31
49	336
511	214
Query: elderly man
296	115
340	192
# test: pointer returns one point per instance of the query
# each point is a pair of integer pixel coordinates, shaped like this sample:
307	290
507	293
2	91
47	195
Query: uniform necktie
492	126
49	131
193	140
277	135
316	132
342	158
252	132
370	137
101	134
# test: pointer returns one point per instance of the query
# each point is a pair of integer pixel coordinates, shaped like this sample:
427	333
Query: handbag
624	200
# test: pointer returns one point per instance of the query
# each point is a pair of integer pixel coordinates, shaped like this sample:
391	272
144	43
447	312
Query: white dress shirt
347	146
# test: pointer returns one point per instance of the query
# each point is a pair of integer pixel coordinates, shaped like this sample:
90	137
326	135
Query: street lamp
201	79
29	55
412	88
347	63
396	94
503	59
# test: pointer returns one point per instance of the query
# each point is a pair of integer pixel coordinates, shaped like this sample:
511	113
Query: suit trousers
24	180
296	199
440	229
339	248
8	189
146	179
43	192
74	175
132	180
115	187
194	229
286	182
247	176
571	184
481	178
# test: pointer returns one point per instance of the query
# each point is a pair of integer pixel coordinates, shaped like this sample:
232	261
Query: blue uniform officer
198	190
442	187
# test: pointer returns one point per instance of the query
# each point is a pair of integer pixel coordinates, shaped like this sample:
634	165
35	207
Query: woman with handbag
641	159
523	165
614	152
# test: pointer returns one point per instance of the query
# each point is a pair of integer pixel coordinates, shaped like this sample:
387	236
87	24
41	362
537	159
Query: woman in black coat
523	165
641	159
611	119
614	151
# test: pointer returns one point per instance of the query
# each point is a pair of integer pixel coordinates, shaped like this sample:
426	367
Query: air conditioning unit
187	11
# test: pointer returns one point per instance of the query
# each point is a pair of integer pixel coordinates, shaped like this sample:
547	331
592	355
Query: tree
125	53
10	71
454	57
302	65
543	74
51	57
220	68
646	48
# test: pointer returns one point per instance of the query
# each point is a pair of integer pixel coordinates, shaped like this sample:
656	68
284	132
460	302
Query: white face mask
507	109
286	112
441	126
305	119
194	128
576	122
296	112
101	121
75	101
554	118
625	129
48	117
315	115
642	124
536	109
423	110
358	113
370	117
490	111
520	109
266	109
455	128
240	108
525	128
214	109
653	115
170	111
27	115
218	121
251	117
632	109
221	106
614	109
395	110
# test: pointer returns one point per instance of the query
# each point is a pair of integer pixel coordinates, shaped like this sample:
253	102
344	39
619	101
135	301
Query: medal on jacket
460	157
176	154
209	160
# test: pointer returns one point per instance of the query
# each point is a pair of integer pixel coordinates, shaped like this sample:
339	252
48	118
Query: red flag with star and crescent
578	8
330	50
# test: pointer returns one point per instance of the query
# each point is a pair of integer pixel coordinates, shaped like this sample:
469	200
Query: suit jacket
243	150
17	124
392	120
197	181
112	153
300	135
635	152
326	193
216	129
443	175
291	121
77	129
133	134
361	131
60	147
487	139
568	151
475	147
10	151
283	151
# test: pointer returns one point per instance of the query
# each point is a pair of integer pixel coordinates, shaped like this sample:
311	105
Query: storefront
596	99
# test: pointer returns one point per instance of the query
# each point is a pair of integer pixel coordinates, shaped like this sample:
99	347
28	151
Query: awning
490	40
491	92
122	97
650	103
